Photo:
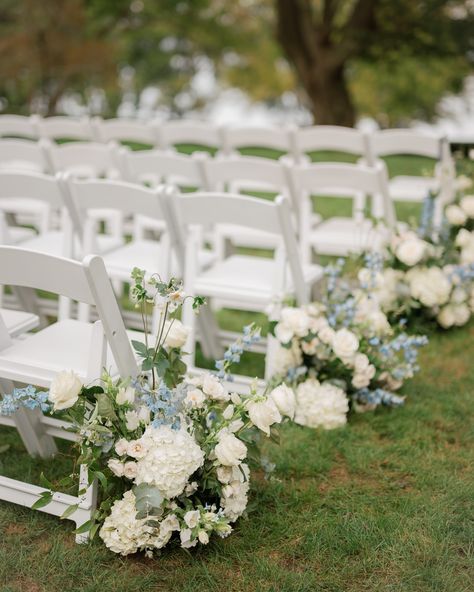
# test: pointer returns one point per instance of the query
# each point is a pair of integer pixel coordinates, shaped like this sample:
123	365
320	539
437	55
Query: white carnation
320	405
172	457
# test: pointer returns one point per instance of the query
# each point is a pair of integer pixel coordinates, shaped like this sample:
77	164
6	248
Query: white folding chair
65	128
194	133
19	126
125	130
339	235
22	155
84	159
240	281
82	347
244	137
18	322
236	174
333	138
414	143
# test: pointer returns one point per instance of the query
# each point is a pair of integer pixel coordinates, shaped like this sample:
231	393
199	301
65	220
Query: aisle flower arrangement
428	275
172	453
342	352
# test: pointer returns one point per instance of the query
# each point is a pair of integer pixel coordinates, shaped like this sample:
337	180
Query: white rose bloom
195	398
234	497
410	250
446	316
122	532
130	469
284	398
326	335
176	334
132	420
121	447
135	449
462	314
229	449
467	204
310	347
379	323
463	182
361	362
467	255
64	390
116	467
125	396
186	541
429	285
264	414
224	474
464	238
387	293
345	344
167	527
455	215
144	414
286	358
293	322
320	405
203	537
191	518
214	389
172	457
363	377
459	295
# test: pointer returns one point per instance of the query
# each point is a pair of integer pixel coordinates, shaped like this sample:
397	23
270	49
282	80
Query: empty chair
340	235
18	322
240	281
192	133
330	138
236	174
414	143
84	159
19	126
279	140
22	155
65	128
67	344
125	130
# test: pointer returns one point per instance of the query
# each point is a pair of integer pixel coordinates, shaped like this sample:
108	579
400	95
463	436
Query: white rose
203	537
429	285
461	314
459	295
326	335
125	395
361	362
379	322
411	250
192	518
132	420
116	467
293	322
284	398
135	449
363	377
130	469
345	344
214	389
185	536
176	334
463	182
195	398
446	317
263	414
230	450
467	204
144	414
467	255
455	215
64	390
464	238
121	446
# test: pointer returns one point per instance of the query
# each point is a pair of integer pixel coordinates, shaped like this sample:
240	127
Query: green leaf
147	498
101	477
44	499
105	407
84	527
147	364
4	448
44	482
140	348
69	511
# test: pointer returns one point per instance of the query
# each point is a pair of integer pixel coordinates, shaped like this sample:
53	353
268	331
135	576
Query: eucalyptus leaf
147	499
105	407
69	511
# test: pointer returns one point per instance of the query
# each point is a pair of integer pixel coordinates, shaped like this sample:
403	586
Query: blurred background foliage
341	59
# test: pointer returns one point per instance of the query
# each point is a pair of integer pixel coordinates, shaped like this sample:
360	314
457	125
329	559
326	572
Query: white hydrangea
429	285
454	315
172	456
122	532
320	405
234	498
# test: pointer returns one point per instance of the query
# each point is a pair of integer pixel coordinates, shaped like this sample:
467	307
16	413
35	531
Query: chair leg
209	333
28	423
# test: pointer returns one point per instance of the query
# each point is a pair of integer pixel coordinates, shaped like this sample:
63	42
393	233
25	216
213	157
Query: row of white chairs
295	142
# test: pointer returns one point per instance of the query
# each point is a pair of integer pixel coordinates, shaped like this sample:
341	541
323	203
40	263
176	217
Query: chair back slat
24	155
257	137
330	137
63	127
171	133
410	142
31	185
19	125
124	130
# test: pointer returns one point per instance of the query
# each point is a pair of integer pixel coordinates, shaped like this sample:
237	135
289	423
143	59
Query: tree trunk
328	95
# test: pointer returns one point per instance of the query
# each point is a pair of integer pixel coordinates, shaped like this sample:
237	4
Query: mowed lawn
386	504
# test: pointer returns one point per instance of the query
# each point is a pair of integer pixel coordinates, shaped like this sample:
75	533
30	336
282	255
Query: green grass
384	505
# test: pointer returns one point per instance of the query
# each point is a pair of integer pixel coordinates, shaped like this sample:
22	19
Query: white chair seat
52	243
18	234
246	278
18	322
145	254
404	188
22	166
341	236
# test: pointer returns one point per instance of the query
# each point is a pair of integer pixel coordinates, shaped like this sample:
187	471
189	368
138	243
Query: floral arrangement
341	353
171	453
429	274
